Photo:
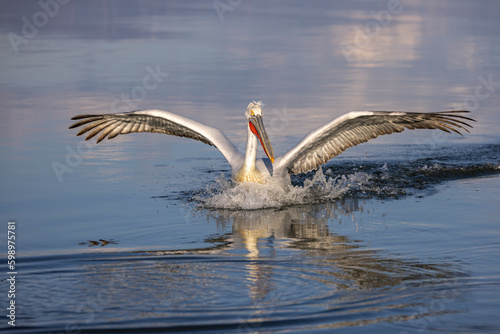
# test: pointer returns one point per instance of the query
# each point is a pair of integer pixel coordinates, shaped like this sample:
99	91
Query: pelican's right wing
155	121
357	127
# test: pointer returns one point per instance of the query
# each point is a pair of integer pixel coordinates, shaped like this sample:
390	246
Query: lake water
144	233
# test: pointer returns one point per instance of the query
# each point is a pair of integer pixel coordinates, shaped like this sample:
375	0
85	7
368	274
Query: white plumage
315	149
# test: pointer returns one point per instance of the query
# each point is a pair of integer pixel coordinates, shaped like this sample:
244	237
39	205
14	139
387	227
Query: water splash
375	179
225	194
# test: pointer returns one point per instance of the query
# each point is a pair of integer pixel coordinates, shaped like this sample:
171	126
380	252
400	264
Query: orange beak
257	127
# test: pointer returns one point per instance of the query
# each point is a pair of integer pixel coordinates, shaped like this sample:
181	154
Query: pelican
316	148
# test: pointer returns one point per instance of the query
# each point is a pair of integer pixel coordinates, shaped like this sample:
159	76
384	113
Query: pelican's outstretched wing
155	121
357	127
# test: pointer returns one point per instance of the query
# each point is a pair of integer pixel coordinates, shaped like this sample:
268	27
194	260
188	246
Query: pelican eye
251	112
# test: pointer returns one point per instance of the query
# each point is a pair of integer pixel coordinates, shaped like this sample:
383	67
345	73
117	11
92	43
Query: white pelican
315	149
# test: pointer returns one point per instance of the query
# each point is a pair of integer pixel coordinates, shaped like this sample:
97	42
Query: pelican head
254	118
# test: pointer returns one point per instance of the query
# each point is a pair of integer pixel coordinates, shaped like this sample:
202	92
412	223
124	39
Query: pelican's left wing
357	127
155	121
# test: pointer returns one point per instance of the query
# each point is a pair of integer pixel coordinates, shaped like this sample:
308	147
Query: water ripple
336	286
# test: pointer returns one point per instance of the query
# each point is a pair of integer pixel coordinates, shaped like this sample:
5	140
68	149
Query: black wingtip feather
443	113
83	121
84	116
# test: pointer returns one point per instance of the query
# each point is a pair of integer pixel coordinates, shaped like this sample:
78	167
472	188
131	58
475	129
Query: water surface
145	233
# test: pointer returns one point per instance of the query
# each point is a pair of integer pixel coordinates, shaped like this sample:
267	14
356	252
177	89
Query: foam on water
250	196
378	179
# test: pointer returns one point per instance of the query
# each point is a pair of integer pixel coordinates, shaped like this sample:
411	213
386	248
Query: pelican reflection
340	260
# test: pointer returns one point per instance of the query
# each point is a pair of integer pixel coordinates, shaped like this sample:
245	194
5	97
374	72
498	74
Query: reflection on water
320	260
276	268
292	266
307	229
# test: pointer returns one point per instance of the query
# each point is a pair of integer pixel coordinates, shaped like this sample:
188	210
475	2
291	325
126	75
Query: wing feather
142	126
117	130
85	121
97	129
356	127
104	132
127	128
155	121
135	128
91	126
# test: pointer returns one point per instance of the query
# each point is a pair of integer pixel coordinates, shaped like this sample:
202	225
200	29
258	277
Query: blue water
145	233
